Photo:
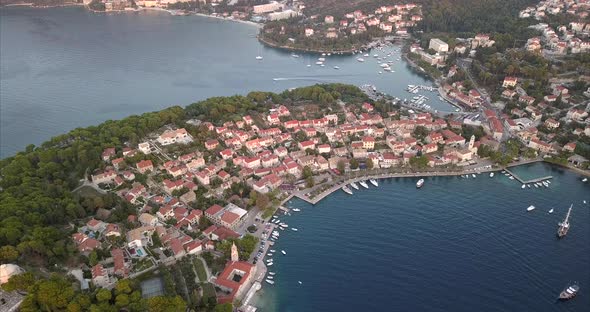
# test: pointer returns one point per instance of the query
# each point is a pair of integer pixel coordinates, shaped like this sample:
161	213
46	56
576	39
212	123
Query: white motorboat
294	229
284	225
296	209
354	185
259	57
272	273
545	184
269	264
528	185
585	180
511	177
536	185
294	55
336	67
374	182
272	250
364	184
347	190
473	175
283	252
366	55
523	186
420	183
551	210
360	59
319	63
321	59
269	260
270	281
491	174
299	282
270	277
530	208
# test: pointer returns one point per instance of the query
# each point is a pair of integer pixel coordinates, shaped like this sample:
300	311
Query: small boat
528	185
360	59
420	183
491	174
296	209
507	174
321	59
530	208
270	281
585	180
569	292
347	190
523	186
551	210
308	65
272	273
503	171
511	177
374	182
473	175
283	252
585	202
536	185
294	55
364	184
545	184
284	225
319	63
272	250
269	264
294	229
270	277
354	185
259	57
300	283
336	67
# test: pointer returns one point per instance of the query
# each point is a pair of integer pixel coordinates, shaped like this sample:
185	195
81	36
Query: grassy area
208	291
87	191
143	264
201	273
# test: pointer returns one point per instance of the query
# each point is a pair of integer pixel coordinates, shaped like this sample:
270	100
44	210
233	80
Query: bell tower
234	253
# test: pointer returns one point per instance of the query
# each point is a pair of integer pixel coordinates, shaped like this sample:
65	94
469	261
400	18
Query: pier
519	179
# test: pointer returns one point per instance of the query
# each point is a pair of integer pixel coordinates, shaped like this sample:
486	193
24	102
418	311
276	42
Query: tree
20	282
226	307
166	304
369	163
93	258
262	201
307	172
354	163
103	295
54	294
309	182
8	254
123	286
341	166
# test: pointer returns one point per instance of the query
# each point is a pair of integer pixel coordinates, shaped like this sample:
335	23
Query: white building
438	45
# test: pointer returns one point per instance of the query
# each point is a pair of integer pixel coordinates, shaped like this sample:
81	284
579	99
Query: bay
62	68
454	245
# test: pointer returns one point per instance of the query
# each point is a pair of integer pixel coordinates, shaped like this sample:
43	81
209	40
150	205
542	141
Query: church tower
234	253
471	142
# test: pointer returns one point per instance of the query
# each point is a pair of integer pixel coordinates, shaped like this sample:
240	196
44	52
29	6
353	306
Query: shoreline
339	184
304	50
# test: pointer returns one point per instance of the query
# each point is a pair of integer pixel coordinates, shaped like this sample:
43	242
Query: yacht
374	182
354	185
360	59
259	57
420	183
283	252
530	208
491	174
270	281
473	175
364	184
585	180
296	209
569	292
347	190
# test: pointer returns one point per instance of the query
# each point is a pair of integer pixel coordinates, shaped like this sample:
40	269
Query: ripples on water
62	68
454	245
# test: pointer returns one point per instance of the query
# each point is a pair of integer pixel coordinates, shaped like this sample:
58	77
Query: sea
62	68
456	244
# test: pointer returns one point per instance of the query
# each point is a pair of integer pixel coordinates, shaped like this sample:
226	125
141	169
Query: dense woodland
37	205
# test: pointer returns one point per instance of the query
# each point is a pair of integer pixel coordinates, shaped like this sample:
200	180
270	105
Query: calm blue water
454	245
63	68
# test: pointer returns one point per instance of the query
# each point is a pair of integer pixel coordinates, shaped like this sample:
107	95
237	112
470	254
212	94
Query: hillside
40	3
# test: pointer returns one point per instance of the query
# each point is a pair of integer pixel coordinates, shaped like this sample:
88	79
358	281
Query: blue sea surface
454	245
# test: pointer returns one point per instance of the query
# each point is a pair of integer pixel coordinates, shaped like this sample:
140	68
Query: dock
519	179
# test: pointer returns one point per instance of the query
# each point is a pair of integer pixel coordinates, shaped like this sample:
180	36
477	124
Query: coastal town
193	207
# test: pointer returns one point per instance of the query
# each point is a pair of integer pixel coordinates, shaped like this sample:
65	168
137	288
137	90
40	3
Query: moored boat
296	209
585	180
283	252
564	225
259	57
270	281
523	186
473	175
347	190
364	184
354	185
530	208
420	183
374	182
551	210
569	292
491	174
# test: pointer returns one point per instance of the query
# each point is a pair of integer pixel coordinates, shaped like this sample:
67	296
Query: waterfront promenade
334	185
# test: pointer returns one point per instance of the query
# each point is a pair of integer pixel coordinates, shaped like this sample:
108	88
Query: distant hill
439	15
40	2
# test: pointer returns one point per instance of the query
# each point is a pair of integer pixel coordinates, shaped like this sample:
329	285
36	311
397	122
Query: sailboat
564	225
